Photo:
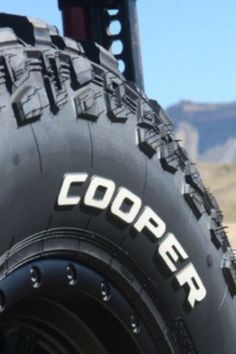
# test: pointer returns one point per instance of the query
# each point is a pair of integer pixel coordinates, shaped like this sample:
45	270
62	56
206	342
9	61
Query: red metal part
76	23
90	20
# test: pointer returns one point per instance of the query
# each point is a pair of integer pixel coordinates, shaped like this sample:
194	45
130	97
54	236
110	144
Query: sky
188	46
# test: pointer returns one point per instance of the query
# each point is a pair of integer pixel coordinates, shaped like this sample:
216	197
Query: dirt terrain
221	179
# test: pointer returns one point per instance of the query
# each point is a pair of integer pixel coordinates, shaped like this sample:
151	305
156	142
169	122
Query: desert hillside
208	130
221	179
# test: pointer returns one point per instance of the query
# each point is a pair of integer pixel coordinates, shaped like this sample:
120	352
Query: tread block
148	141
7	36
27	105
147	118
212	205
21	26
114	85
180	337
101	56
229	270
107	60
18	67
182	156
54	83
6	75
116	110
41	31
67	73
193	178
89	104
99	75
217	216
164	118
122	102
168	155
148	131
67	43
115	88
218	236
131	99
194	200
82	70
154	135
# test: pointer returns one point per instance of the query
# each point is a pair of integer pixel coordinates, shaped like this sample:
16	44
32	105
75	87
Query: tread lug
116	109
8	36
218	237
82	70
27	105
168	156
101	56
88	103
193	178
41	31
67	43
229	270
6	74
180	337
148	141
194	200
164	118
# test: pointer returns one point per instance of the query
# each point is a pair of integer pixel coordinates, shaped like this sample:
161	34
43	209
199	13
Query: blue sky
189	46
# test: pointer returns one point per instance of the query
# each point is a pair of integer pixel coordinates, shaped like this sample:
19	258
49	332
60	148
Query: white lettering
64	199
151	221
107	188
124	195
171	251
126	206
189	276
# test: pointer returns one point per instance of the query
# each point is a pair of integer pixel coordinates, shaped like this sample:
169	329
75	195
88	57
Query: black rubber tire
65	108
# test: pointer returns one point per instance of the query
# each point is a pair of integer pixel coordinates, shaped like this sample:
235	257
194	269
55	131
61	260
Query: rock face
189	137
208	131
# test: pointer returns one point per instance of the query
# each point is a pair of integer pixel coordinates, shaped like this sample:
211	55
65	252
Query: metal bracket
113	24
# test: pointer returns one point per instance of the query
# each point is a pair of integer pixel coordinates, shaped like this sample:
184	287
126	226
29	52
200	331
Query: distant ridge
208	130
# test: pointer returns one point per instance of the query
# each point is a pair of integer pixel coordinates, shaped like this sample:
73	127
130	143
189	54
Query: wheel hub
58	306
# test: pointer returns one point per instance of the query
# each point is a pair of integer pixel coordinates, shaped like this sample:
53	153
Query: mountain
208	130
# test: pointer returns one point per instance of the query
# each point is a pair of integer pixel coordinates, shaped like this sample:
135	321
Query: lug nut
35	275
71	274
105	291
134	322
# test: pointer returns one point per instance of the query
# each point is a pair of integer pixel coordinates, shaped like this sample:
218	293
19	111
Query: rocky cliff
208	131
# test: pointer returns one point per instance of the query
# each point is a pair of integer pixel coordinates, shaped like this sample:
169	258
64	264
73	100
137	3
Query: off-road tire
66	109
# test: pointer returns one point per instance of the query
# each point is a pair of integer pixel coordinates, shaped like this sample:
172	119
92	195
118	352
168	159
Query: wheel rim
60	306
42	326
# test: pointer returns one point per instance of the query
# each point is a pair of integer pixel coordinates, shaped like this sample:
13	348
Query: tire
110	242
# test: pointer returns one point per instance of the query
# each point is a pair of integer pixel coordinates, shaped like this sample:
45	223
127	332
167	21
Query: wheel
110	242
